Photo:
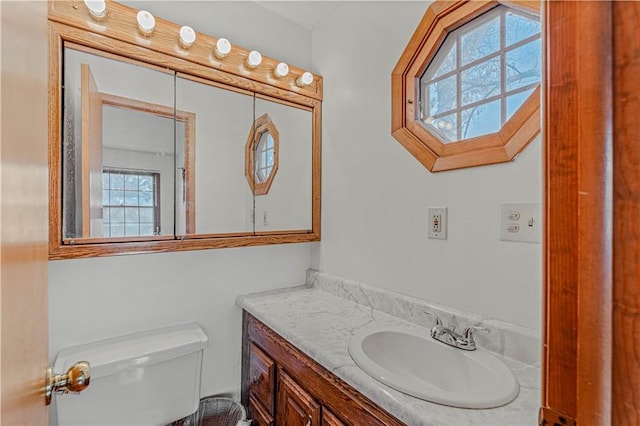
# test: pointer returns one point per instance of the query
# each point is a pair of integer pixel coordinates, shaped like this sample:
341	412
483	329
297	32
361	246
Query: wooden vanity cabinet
284	387
295	407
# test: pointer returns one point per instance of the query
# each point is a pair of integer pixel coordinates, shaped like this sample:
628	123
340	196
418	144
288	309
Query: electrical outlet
437	223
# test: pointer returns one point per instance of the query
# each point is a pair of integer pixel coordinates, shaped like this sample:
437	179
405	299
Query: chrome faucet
451	337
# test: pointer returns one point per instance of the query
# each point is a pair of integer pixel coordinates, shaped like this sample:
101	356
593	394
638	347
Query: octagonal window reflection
264	157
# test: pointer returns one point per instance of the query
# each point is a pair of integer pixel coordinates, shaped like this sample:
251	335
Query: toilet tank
148	378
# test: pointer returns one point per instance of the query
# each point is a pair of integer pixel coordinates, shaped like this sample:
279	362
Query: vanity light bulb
223	47
254	59
187	37
281	70
146	22
97	9
305	79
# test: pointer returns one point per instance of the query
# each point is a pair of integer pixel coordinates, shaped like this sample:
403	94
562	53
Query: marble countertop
321	324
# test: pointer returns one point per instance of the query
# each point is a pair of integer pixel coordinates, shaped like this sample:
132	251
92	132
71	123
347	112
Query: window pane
131	182
519	27
445	126
145	198
117	181
131	215
146	229
117	230
515	101
105	230
132	230
130	198
116	198
105	180
483	74
146	215
444	61
117	214
481	81
481	120
481	41
146	183
105	214
523	65
105	196
442	96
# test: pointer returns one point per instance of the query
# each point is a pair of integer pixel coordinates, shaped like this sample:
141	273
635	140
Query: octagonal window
261	155
465	92
482	73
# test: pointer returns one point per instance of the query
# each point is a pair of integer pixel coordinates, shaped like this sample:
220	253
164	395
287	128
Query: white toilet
148	378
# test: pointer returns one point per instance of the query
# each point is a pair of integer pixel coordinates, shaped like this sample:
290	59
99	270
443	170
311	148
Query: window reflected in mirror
261	155
284	201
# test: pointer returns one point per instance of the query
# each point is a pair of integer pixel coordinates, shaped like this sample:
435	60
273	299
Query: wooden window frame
262	125
440	19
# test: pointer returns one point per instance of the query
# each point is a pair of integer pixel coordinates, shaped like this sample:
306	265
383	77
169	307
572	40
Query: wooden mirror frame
117	36
440	19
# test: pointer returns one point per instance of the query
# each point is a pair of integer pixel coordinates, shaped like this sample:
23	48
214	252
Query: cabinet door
258	414
261	377
295	407
330	419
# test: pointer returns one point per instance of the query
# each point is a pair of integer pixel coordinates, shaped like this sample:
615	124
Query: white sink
416	364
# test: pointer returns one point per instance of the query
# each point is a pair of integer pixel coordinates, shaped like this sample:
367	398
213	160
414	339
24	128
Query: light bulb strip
121	23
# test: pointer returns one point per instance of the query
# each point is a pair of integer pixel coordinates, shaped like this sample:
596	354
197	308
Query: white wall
93	299
375	194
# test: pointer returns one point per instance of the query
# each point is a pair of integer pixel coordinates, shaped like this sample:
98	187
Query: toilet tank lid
111	356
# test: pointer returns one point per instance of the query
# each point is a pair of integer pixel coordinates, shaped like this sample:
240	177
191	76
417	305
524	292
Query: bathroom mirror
122	146
287	204
223	201
151	153
161	146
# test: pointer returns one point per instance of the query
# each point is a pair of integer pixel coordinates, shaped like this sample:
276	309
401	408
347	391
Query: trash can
216	411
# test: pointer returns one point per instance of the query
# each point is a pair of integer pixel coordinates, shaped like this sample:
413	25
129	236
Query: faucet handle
468	332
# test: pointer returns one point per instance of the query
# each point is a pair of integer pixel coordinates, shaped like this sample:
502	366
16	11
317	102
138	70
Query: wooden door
591	363
294	406
23	217
91	154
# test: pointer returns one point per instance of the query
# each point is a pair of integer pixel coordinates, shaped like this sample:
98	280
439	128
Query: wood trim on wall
626	207
576	123
591	363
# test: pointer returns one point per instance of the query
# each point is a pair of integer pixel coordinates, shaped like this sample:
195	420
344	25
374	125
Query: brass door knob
75	380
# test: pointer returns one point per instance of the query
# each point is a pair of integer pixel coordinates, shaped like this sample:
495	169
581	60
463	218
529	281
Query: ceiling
305	13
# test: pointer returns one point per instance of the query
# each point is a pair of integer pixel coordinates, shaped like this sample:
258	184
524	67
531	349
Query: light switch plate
437	223
521	222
